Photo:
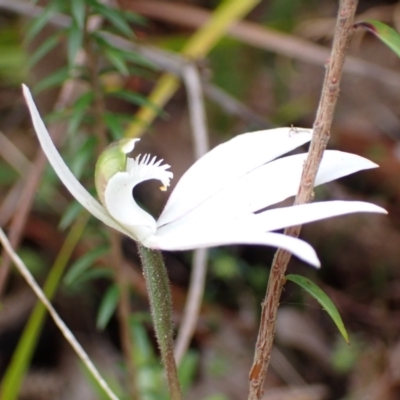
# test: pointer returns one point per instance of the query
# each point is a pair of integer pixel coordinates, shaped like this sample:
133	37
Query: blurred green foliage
13	58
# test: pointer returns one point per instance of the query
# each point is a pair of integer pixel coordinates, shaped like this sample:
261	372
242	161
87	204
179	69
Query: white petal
226	163
123	208
63	172
270	184
296	215
184	240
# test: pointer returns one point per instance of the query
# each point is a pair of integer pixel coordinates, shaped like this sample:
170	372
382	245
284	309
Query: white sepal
267	185
283	217
63	172
226	163
230	234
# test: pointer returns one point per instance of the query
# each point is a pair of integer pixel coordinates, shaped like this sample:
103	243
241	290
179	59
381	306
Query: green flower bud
111	160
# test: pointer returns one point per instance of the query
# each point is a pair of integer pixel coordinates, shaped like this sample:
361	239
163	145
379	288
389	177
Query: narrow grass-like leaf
137	59
383	32
322	299
114	123
79	110
134	98
108	306
135	18
114	16
78	12
149	371
117	60
144	353
74	42
38	23
92	274
83	264
133	57
81	155
44	49
70	215
112	120
187	369
55	79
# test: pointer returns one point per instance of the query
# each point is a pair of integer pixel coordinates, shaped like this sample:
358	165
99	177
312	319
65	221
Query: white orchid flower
218	200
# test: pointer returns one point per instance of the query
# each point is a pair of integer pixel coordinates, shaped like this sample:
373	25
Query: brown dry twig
323	121
197	114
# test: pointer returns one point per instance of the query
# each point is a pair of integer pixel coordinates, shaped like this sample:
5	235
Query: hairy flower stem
322	126
159	293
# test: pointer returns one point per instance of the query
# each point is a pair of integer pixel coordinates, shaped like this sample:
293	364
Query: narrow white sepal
283	217
269	184
183	240
62	170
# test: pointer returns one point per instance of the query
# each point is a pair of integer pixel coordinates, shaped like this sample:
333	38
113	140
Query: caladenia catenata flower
222	197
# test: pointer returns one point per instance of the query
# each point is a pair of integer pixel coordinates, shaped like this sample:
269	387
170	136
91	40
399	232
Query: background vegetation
92	66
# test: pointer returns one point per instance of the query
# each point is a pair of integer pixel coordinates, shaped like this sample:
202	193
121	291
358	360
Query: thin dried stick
56	318
197	112
330	91
13	155
199	265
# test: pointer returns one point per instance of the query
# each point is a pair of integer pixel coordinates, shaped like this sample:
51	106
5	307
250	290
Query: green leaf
108	306
55	79
114	123
114	16
383	32
187	369
74	42
39	23
70	215
13	60
322	299
117	60
82	264
126	55
33	261
82	155
133	98
78	12
135	18
43	49
98	273
7	174
134	57
144	350
79	110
